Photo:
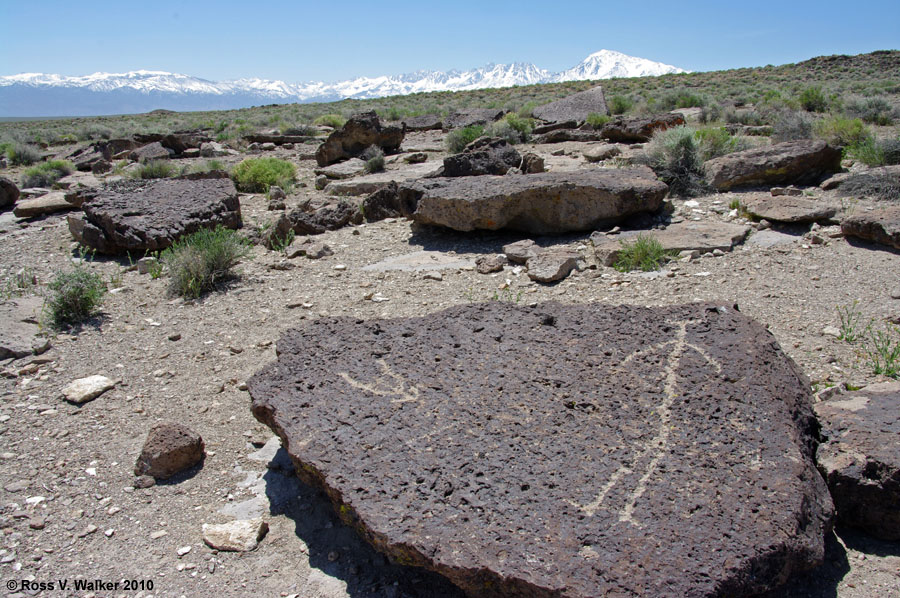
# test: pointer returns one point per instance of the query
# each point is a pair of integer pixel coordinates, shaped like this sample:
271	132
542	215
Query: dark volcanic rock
472	116
150	216
860	457
169	449
562	135
582	450
151	151
390	201
9	193
638	129
485	155
360	132
426	122
327	218
574	107
880	226
803	161
542	203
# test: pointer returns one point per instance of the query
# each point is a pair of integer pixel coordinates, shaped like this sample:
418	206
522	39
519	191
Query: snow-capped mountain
38	94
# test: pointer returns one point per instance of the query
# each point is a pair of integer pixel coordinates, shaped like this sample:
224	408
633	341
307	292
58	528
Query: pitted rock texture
553	450
486	155
860	457
169	449
472	116
575	107
151	216
790	162
541	203
358	133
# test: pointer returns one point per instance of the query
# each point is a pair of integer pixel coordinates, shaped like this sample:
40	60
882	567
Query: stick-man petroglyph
391	383
657	447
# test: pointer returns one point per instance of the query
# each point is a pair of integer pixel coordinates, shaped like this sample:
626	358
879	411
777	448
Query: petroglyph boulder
554	450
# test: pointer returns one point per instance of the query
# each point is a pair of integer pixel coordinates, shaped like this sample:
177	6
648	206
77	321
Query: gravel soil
68	508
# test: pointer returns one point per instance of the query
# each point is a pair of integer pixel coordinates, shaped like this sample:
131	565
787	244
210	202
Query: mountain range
39	94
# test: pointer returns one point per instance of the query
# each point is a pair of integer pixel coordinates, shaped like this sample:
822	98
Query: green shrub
155	169
875	111
713	142
207	166
46	173
680	98
512	127
22	154
373	156
791	125
74	297
332	120
308	130
458	139
813	99
841	132
256	175
597	120
645	253
199	262
674	155
619	104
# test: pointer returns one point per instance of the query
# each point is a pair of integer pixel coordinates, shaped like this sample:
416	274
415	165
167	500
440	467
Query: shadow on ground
337	550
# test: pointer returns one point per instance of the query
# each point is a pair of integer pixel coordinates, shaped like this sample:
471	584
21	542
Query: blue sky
334	40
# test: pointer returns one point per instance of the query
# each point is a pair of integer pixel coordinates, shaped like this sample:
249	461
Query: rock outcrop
860	457
9	193
542	203
575	107
702	237
357	134
150	216
785	208
560	450
791	162
485	155
881	226
638	129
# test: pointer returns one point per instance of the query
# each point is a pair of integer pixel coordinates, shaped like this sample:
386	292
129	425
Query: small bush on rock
645	253
308	130
597	120
374	158
199	262
458	139
155	169
674	155
46	173
74	297
256	175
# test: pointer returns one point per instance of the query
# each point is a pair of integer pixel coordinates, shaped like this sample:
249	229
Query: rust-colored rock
169	449
554	450
791	162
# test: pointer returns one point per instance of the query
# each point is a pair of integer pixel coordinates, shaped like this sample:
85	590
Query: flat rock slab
790	162
55	201
343	170
472	116
370	183
421	261
881	226
575	107
542	203
765	239
20	333
151	216
786	208
683	236
860	457
553	450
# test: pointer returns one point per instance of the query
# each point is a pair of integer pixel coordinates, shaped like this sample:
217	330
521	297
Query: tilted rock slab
151	216
541	203
880	226
682	236
860	457
804	161
638	129
785	208
575	107
578	451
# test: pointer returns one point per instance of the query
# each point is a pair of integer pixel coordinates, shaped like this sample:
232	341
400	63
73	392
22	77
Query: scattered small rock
237	536
86	389
169	449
